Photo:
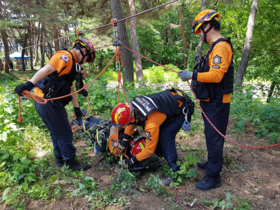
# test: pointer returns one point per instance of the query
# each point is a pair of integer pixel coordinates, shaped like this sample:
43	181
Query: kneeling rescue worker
53	80
161	115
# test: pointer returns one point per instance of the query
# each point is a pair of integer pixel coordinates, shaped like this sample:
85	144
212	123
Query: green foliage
102	199
84	188
155	184
158	74
125	182
265	118
229	203
186	169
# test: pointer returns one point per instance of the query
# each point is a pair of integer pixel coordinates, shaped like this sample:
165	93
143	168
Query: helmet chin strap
205	32
82	53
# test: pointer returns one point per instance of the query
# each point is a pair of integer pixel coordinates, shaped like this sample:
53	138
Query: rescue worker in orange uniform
161	115
53	80
18	65
2	65
212	82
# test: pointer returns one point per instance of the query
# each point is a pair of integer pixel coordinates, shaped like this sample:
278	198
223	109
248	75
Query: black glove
124	141
27	86
129	162
78	112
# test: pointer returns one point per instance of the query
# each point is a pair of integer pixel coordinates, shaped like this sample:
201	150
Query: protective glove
27	86
78	112
185	75
129	162
124	141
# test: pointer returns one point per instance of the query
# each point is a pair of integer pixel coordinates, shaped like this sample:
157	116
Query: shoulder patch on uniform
217	59
64	58
148	135
215	67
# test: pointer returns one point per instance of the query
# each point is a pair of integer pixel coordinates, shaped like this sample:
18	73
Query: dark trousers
218	114
55	117
166	142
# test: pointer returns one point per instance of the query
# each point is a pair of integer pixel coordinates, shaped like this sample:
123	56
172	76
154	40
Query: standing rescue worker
53	80
18	65
161	115
212	82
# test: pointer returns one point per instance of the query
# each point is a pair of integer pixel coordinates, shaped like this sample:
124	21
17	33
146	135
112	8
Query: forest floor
251	176
247	174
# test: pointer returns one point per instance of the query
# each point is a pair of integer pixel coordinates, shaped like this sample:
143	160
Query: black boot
59	162
77	166
209	183
202	165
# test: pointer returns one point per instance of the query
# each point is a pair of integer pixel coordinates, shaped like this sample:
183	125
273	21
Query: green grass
24	176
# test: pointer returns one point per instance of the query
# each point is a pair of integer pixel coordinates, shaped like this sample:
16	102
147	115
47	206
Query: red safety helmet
138	146
89	46
203	16
122	114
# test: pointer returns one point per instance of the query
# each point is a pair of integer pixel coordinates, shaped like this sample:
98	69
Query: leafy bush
158	74
264	117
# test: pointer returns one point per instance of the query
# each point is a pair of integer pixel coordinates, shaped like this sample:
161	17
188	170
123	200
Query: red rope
188	195
120	85
240	145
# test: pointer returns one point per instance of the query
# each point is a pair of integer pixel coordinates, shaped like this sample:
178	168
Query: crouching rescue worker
161	115
212	83
54	80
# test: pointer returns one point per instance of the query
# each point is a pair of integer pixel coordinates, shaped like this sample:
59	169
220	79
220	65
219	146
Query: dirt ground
247	174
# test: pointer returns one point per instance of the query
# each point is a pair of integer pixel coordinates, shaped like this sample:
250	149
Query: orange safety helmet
122	114
138	146
89	46
203	16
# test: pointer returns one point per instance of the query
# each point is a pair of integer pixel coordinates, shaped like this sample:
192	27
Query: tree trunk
122	34
183	37
56	40
271	89
247	46
134	42
200	43
50	49
6	50
30	44
42	46
23	52
36	48
1	61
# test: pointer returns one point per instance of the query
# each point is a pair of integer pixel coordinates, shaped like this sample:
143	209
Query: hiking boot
77	166
208	183
202	165
168	180
59	162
